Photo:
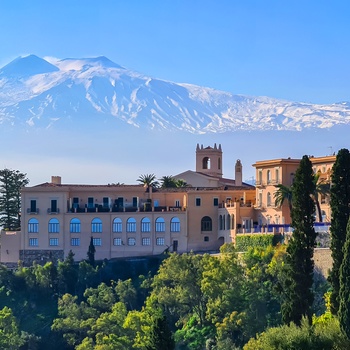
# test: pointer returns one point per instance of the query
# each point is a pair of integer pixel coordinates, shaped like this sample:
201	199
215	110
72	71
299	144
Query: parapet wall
40	256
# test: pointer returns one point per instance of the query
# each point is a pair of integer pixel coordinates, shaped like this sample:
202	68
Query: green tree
160	337
168	182
91	252
283	193
222	284
262	304
181	183
344	287
74	320
11	183
148	180
340	199
101	298
322	335
298	295
177	286
9	333
68	274
322	187
126	293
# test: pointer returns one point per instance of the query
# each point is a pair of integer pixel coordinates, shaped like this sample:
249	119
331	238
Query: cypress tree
11	183
340	199
161	337
91	252
298	296
344	287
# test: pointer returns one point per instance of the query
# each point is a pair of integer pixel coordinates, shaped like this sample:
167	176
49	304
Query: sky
295	50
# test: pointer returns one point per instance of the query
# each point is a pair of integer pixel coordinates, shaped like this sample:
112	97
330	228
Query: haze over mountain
94	121
52	93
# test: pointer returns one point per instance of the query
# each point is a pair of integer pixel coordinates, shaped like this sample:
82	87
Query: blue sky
295	50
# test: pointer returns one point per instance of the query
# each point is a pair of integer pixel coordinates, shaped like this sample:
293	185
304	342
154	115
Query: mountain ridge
35	92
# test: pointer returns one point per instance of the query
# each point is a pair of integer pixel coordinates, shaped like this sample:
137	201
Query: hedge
246	241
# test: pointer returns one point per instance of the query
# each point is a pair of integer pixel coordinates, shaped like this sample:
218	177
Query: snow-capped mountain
37	92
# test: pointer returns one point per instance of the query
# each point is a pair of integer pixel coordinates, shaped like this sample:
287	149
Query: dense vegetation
193	301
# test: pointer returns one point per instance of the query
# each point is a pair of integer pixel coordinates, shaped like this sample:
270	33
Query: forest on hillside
190	302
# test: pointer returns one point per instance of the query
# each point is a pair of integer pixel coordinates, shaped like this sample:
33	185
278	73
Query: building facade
272	173
131	220
134	220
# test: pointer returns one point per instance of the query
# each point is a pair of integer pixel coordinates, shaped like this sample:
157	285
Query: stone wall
323	260
40	256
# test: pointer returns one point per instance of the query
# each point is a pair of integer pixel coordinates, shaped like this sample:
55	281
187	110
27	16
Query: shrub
246	241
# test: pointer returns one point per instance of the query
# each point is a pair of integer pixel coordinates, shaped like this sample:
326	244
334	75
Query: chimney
238	173
56	180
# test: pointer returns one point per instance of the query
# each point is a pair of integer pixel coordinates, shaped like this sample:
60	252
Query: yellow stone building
132	220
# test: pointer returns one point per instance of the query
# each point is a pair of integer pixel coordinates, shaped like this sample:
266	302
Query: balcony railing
32	211
145	207
234	204
53	211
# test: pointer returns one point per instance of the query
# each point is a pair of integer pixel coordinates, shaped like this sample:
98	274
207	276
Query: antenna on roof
331	149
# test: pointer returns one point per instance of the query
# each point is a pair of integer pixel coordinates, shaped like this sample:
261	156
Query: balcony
32	211
259	183
53	211
275	182
234	204
145	207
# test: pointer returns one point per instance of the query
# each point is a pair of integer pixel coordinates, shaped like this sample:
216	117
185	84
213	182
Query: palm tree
148	180
181	183
168	182
283	193
322	187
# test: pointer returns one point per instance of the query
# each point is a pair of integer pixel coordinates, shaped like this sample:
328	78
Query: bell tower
209	160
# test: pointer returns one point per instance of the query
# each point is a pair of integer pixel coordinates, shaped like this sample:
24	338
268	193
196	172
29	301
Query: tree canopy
298	295
11	183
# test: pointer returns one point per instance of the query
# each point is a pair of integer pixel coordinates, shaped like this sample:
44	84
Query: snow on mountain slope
35	92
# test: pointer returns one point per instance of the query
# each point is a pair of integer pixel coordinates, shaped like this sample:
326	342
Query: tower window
206	163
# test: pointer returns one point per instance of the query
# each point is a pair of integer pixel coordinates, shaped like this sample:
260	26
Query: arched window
117	225
96	225
33	226
206	224
206	163
74	226
268	199
268	176
160	225
277	176
131	225
175	224
219	163
54	226
145	225
228	222
220	223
